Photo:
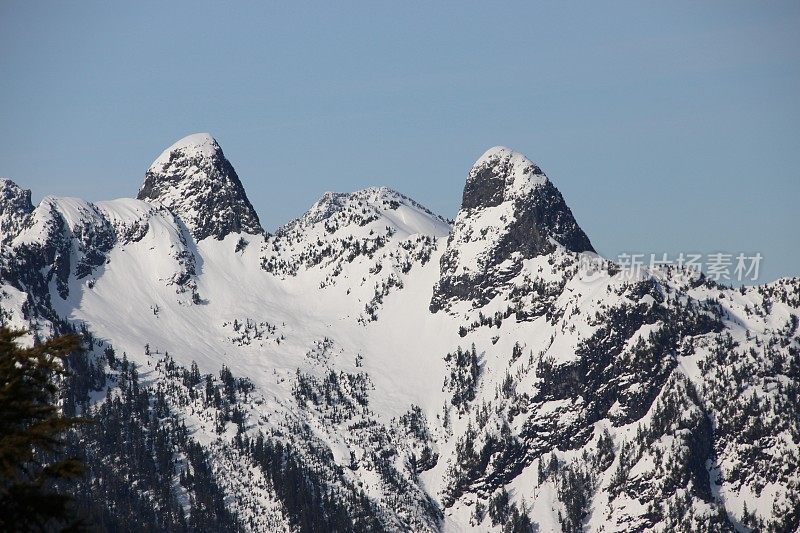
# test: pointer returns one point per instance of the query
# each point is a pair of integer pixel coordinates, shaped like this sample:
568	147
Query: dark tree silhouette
31	429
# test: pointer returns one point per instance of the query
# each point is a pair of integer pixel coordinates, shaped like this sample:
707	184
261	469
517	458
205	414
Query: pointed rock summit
15	207
196	182
510	211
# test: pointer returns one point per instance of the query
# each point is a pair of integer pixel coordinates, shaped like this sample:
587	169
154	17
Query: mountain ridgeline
372	366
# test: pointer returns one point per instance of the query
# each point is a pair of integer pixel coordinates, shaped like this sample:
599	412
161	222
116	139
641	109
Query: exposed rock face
510	211
195	180
298	382
15	207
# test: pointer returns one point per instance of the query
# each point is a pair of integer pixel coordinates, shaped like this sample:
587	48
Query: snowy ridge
369	205
365	243
370	368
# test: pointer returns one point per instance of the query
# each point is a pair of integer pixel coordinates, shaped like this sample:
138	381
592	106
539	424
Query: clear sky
669	126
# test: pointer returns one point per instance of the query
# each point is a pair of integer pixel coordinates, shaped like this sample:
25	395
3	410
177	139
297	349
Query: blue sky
671	126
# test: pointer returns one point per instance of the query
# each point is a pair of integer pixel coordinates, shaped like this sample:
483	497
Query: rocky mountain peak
195	180
299	381
15	206
510	211
503	176
499	175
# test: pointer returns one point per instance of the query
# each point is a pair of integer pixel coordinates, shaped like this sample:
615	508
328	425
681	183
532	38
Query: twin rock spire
510	211
195	180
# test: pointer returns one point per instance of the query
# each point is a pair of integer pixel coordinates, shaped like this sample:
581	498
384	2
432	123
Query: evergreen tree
31	429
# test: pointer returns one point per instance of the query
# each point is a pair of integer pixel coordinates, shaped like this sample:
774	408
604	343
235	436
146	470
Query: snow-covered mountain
510	212
195	180
373	366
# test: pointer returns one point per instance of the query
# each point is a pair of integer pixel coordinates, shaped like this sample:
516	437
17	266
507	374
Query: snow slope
463	378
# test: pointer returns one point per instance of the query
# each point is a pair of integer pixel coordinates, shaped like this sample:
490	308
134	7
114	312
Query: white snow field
599	401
